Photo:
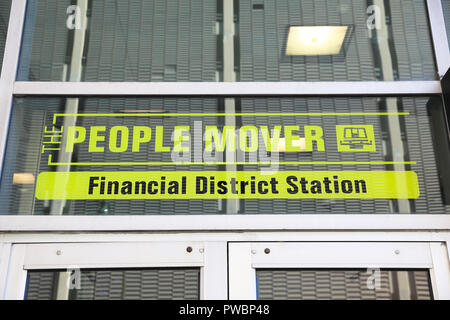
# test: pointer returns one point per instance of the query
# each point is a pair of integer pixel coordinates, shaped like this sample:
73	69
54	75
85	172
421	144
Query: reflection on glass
114	284
115	137
5	7
226	40
370	284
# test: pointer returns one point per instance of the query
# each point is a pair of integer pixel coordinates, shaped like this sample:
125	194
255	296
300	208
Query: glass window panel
5	7
226	40
115	284
111	40
349	150
343	284
385	40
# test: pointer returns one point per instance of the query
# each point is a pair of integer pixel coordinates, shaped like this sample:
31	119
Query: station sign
201	159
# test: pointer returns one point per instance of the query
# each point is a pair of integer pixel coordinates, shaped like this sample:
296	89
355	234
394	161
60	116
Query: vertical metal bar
228	41
440	37
9	69
404	285
391	103
76	70
62	290
229	76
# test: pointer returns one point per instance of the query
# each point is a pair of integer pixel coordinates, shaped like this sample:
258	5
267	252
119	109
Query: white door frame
210	257
245	258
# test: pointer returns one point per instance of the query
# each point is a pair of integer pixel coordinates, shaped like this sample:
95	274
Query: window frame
9	88
245	258
209	257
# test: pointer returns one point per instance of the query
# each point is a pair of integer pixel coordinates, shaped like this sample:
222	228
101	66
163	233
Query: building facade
224	149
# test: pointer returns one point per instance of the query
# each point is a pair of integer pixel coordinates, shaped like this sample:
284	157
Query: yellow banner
228	185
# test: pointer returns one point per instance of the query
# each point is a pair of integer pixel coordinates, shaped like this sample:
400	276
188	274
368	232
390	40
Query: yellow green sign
206	144
228	185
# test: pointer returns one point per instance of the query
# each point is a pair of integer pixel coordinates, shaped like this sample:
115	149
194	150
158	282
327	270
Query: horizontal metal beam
225	223
225	236
228	89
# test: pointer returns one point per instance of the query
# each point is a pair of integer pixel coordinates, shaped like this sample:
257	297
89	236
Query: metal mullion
394	88
9	69
16	275
440	273
439	35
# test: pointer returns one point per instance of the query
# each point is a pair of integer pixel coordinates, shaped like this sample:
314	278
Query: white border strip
439	33
225	223
228	88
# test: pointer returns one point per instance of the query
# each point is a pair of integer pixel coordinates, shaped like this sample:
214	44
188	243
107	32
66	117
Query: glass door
338	271
117	271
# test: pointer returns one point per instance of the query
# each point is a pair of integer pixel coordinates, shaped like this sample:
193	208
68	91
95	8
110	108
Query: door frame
210	257
246	257
224	253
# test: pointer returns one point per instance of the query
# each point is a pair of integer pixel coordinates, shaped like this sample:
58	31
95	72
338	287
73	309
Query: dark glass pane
111	40
343	285
115	284
385	40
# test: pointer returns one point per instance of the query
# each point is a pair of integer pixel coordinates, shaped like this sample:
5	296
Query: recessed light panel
315	41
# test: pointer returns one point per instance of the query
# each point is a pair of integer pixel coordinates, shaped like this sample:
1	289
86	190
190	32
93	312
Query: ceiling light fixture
315	41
